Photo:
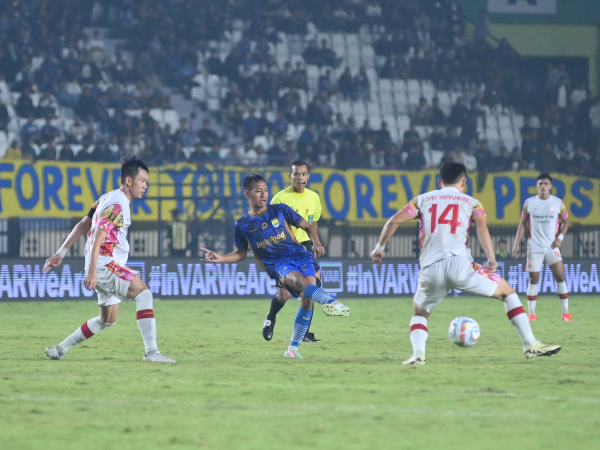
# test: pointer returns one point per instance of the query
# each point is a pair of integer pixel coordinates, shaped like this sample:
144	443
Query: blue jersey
270	236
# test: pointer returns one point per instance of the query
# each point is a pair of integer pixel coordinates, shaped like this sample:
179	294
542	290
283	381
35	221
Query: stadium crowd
45	50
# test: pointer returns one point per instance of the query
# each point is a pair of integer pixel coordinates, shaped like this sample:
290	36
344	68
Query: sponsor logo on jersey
264	226
275	223
552	209
271	240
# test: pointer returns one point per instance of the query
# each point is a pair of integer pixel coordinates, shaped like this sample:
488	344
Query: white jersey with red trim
544	224
446	217
112	215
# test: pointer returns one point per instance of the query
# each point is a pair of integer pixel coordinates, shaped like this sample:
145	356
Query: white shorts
113	283
535	259
456	272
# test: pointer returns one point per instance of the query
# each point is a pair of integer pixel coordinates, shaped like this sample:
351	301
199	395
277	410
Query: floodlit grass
232	390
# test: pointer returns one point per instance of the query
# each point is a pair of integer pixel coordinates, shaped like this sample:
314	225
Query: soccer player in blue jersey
266	229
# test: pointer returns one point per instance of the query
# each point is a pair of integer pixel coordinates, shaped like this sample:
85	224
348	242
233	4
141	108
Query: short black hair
451	172
544	176
251	180
131	168
299	162
502	241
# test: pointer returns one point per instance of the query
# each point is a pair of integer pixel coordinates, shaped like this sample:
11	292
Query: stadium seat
414	86
352	39
375	121
373	108
400	86
492	133
359	108
504	122
156	114
403	122
518	121
385	85
492	122
170	115
213	104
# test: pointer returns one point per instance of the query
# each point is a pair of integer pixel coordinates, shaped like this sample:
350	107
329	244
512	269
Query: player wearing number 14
446	218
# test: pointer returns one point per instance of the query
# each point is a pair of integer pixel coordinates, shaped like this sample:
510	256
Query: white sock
563	294
85	331
418	335
145	320
516	315
532	293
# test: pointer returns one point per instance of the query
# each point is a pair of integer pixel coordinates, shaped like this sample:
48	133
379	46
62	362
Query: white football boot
157	357
335	309
539	349
292	352
415	361
55	352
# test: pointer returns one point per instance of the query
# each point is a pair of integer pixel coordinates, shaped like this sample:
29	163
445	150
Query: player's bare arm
485	240
313	232
520	232
91	278
388	231
79	230
236	256
563	230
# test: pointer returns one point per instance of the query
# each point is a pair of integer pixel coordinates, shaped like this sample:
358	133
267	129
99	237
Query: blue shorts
303	264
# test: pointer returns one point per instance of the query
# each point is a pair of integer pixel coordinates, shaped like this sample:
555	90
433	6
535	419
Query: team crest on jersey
552	209
275	223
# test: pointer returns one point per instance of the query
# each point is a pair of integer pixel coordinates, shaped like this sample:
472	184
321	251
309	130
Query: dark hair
544	176
452	172
251	180
298	163
502	241
131	168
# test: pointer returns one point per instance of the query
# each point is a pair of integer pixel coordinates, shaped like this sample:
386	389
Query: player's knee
283	295
503	290
144	300
418	311
534	278
107	324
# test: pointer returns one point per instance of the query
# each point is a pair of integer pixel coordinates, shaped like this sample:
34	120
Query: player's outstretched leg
84	332
146	321
418	339
329	306
300	328
516	314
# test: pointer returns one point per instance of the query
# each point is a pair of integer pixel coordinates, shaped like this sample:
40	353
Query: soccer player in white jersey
546	220
446	217
106	252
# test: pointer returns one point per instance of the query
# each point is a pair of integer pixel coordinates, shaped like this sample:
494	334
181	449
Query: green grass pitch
232	390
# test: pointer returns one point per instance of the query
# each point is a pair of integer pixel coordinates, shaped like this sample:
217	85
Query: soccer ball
464	332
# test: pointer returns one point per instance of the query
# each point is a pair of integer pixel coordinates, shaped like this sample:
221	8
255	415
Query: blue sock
316	294
301	325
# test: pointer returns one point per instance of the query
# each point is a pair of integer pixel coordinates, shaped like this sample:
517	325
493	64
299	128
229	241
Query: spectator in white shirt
578	95
469	160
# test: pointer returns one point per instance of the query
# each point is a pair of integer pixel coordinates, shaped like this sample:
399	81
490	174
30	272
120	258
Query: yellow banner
66	190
